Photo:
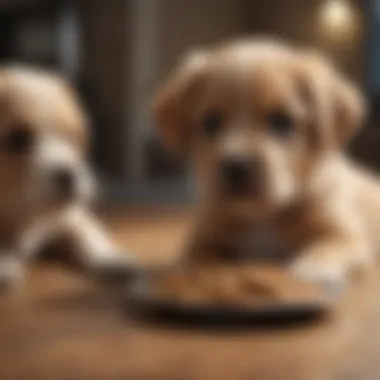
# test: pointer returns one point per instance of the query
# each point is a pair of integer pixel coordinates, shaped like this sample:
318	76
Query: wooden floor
61	326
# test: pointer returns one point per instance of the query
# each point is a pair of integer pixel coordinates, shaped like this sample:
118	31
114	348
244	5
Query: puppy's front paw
322	271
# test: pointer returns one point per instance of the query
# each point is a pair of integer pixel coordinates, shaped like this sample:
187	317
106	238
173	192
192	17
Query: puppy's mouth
251	191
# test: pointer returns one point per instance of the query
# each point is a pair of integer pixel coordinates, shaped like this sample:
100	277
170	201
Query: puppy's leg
85	245
93	250
331	259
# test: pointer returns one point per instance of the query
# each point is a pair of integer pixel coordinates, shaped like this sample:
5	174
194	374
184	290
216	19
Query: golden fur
44	131
316	211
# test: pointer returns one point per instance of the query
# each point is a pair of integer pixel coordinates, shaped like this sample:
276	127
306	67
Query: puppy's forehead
41	100
245	55
259	72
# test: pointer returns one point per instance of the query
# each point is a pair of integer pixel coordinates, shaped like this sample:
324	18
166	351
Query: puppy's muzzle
64	182
240	176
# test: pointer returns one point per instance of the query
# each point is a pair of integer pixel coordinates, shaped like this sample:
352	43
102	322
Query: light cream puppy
46	183
265	126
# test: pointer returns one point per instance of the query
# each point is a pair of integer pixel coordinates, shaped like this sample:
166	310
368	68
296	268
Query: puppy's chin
82	195
63	200
255	206
247	210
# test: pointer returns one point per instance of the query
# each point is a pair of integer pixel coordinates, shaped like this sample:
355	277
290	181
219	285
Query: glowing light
337	14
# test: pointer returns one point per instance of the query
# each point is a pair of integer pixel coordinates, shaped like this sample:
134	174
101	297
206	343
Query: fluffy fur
288	113
46	183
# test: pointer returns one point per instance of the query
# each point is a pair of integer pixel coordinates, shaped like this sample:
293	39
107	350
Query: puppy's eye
281	123
212	123
19	140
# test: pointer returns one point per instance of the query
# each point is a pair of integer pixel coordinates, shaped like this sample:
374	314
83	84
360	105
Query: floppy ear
174	99
350	110
337	107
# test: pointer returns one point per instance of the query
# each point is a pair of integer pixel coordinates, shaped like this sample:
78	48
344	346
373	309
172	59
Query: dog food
226	285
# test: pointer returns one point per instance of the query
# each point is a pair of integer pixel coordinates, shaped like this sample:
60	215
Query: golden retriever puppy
46	183
265	126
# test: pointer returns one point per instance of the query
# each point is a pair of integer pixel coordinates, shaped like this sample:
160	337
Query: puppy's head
42	141
256	117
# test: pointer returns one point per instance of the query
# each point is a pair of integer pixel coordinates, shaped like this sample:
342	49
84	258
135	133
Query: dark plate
140	299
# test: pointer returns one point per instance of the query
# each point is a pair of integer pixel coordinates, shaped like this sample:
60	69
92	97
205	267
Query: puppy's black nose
238	174
64	181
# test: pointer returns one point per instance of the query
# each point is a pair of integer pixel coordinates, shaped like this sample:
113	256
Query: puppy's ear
337	107
350	110
174	99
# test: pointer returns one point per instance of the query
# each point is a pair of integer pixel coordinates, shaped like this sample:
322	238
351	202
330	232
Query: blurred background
117	51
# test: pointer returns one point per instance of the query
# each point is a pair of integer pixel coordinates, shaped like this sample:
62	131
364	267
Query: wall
105	64
186	24
299	21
